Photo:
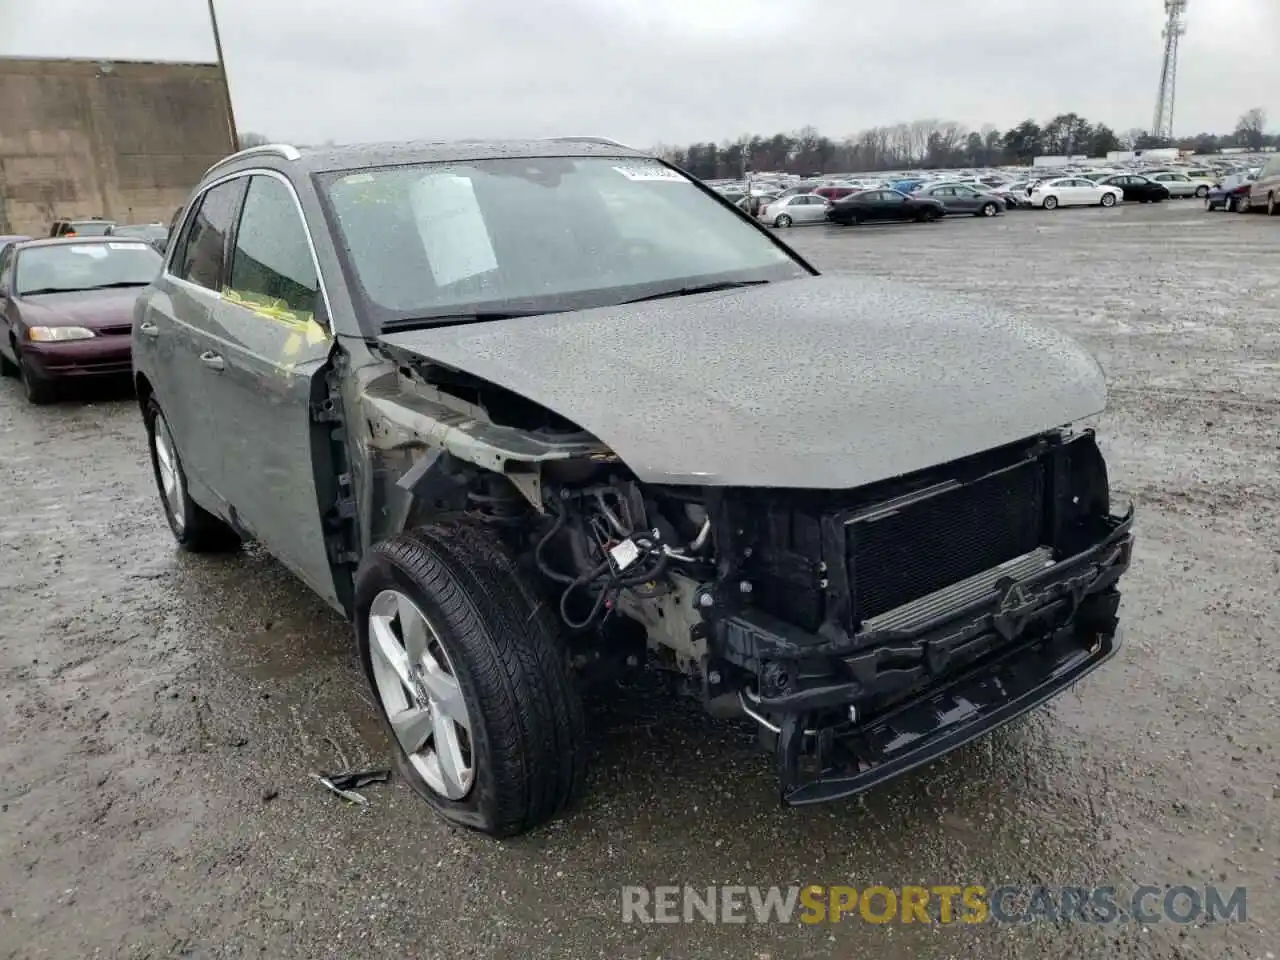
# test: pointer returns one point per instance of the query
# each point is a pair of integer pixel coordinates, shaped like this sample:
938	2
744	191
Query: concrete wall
122	140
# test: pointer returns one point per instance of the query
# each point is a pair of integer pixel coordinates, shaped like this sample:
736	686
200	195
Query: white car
801	208
1073	192
1180	185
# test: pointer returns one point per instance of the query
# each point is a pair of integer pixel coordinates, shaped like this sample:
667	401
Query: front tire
988	210
1051	203
194	527
1244	205
37	389
472	678
782	220
1202	191
1108	200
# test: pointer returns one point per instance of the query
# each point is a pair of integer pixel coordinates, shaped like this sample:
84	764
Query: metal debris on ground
345	785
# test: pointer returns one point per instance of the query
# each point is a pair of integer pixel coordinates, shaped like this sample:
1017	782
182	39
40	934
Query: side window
200	260
6	267
272	268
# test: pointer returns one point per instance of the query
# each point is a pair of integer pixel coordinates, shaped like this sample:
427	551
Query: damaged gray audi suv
523	411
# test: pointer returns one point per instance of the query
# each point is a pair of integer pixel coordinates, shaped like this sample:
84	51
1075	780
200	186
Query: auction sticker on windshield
452	228
649	171
127	246
90	250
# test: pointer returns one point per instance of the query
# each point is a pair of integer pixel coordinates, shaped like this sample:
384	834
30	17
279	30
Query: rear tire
1271	205
1244	205
524	739
195	528
37	389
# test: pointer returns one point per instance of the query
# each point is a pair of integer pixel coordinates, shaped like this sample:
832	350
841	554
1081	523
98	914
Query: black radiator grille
898	555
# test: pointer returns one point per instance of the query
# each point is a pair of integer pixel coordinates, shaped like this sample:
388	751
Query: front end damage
865	632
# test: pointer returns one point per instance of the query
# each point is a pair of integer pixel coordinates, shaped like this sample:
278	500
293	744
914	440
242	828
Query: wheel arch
142	390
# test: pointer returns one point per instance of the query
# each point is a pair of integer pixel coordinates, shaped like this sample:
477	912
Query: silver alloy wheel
419	691
171	486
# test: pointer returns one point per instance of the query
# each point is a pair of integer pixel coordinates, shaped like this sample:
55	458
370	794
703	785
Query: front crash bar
940	720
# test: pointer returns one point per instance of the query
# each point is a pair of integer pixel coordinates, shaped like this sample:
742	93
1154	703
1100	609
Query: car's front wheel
1202	191
36	388
988	210
1108	200
194	527
7	367
1051	203
782	220
471	676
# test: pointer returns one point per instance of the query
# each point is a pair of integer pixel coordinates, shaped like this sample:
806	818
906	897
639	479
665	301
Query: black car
91	227
1137	187
884	205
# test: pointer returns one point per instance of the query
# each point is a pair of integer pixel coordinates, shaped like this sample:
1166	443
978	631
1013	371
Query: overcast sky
672	71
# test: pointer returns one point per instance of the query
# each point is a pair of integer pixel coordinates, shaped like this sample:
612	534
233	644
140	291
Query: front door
962	200
890	205
274	348
809	209
6	304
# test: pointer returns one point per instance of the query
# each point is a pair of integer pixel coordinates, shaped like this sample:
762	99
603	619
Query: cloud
676	70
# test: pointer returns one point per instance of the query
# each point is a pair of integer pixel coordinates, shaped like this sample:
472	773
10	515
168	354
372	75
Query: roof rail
601	140
271	149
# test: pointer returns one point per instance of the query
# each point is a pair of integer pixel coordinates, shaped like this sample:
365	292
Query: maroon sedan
66	308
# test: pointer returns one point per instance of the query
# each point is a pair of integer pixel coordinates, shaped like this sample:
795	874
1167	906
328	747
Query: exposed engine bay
863	631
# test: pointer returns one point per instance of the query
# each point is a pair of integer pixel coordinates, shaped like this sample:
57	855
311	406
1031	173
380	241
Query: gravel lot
163	713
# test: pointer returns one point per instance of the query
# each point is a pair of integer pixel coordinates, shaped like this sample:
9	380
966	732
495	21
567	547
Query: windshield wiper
454	319
699	288
98	286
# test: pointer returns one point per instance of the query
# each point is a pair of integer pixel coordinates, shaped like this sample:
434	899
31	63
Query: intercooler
904	549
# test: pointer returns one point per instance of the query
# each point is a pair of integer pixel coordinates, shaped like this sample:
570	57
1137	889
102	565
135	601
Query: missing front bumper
934	678
924	729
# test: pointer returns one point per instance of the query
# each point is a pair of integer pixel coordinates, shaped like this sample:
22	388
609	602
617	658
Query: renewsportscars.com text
942	904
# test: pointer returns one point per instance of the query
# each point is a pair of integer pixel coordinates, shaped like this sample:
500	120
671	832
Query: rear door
175	329
274	346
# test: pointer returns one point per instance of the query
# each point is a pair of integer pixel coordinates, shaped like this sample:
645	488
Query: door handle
212	360
149	328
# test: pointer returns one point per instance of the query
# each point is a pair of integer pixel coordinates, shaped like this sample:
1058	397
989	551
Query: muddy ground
162	714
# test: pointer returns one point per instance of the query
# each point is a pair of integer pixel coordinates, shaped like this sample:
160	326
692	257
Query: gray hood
825	382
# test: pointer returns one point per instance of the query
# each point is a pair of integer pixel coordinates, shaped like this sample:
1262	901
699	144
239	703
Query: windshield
535	235
84	266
